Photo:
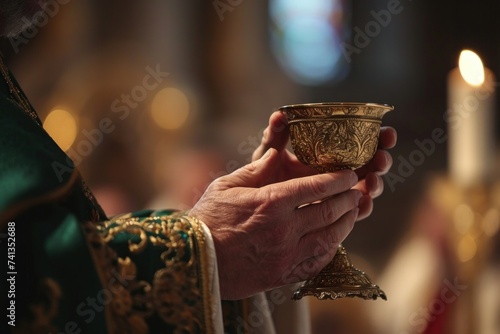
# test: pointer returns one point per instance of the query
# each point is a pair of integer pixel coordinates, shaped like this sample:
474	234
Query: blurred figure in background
200	163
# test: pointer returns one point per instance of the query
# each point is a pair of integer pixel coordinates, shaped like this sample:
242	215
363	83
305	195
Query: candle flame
471	68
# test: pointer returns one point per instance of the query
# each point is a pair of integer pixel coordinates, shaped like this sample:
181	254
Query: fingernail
354	178
388	159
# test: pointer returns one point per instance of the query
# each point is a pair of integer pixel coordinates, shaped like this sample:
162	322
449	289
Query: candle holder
330	137
473	216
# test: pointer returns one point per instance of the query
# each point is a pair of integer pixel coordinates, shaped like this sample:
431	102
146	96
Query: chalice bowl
330	137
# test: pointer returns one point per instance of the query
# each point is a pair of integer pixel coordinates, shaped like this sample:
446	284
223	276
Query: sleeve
160	268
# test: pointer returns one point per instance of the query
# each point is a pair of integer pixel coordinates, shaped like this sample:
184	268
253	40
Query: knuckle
328	213
319	189
269	210
334	238
220	183
271	202
214	185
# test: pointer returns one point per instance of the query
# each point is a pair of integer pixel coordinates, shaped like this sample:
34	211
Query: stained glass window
306	38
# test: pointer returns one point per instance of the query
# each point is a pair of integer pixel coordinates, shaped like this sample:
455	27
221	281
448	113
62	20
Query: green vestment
76	271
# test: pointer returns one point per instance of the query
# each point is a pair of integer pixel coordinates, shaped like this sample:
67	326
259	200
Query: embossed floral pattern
332	136
333	144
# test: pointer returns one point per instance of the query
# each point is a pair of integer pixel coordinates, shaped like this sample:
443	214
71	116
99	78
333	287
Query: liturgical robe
78	271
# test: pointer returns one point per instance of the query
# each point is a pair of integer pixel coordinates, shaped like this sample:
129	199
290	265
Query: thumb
256	174
276	135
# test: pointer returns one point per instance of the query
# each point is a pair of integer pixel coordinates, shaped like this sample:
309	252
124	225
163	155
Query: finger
388	137
324	242
275	135
365	207
372	185
294	168
380	163
317	216
253	175
313	188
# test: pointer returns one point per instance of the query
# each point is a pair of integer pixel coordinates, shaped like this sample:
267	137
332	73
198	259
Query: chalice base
340	279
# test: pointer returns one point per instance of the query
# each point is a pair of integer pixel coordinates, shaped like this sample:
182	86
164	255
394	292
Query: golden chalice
330	137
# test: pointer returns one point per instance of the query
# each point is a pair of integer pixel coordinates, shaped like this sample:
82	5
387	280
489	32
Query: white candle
471	107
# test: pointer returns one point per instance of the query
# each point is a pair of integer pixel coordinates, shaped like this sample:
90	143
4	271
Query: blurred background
155	99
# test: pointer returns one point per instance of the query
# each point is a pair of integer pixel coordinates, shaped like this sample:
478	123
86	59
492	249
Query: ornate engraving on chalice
329	137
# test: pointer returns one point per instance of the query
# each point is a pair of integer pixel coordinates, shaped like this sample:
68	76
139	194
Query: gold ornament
330	137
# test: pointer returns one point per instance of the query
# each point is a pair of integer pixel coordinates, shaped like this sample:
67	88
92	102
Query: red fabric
438	324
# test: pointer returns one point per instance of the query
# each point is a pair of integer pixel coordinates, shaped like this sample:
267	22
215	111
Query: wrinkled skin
264	235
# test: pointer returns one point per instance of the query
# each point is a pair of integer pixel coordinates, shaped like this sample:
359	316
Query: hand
263	235
371	185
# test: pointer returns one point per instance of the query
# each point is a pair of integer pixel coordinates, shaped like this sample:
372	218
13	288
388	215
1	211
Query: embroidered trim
17	95
116	275
203	268
42	311
179	293
97	213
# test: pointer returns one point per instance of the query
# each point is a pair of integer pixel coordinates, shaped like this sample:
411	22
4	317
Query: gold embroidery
42	311
118	277
17	95
96	208
179	294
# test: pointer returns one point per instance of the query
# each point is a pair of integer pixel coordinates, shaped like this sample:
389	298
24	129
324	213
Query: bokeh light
62	126
170	108
463	218
491	222
467	248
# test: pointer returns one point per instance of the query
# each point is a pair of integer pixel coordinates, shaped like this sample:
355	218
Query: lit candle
471	107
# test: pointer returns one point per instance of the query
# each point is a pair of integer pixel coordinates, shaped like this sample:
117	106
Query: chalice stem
340	279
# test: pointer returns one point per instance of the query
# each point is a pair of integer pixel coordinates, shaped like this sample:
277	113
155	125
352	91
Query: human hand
371	185
263	235
370	182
